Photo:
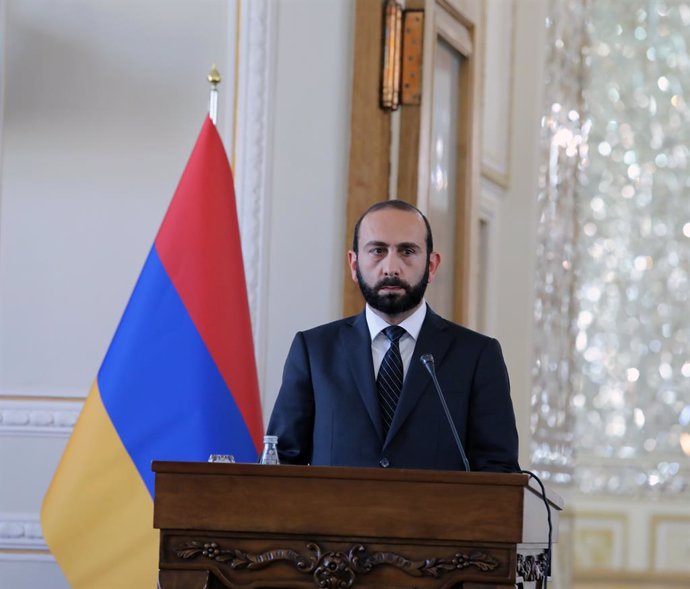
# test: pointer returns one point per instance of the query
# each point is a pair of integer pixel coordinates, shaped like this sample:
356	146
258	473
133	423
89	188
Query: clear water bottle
270	452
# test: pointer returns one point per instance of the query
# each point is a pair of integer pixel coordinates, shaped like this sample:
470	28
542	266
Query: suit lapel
356	347
433	339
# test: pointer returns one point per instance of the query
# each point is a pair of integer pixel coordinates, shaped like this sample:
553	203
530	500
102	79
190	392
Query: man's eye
408	251
377	251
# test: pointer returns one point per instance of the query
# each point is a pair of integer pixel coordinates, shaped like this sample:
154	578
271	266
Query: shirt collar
412	325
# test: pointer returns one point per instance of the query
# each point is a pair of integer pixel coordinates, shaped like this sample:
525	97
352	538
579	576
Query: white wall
513	277
100	112
309	174
101	105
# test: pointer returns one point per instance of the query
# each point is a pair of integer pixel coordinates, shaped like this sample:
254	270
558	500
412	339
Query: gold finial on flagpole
214	76
214	80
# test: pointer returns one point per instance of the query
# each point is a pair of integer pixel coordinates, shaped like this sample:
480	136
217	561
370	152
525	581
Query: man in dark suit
342	403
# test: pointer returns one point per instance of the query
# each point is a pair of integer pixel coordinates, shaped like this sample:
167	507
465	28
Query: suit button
384	462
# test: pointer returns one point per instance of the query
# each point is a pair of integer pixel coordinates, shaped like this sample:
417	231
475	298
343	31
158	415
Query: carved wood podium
302	527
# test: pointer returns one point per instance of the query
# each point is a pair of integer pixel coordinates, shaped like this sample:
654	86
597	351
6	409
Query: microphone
428	361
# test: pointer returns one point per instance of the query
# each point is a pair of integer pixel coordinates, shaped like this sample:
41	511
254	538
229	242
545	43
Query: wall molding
21	531
498	42
31	556
256	64
38	417
491	196
250	176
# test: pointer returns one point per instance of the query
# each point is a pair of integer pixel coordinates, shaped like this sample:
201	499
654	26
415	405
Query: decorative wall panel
631	398
497	89
613	353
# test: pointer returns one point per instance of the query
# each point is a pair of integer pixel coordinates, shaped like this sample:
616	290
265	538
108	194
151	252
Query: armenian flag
178	382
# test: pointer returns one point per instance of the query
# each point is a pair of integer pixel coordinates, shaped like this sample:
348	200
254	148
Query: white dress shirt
380	343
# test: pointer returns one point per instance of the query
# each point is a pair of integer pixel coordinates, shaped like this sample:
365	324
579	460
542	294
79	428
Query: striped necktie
390	378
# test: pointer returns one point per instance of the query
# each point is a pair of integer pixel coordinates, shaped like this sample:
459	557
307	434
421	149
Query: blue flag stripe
160	386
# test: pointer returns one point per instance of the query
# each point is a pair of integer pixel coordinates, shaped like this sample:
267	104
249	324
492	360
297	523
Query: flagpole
214	80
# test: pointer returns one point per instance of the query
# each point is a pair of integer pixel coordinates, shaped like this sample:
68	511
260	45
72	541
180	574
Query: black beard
393	304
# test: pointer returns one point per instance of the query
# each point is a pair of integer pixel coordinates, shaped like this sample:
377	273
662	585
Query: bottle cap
221	458
270	439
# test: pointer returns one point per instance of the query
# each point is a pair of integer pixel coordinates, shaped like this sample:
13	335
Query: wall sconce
392	47
401	73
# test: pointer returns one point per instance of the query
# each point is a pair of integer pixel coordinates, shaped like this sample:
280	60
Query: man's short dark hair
400	205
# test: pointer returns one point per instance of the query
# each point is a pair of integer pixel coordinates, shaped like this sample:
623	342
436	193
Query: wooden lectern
255	527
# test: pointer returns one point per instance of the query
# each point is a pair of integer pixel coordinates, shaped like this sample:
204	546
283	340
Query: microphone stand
428	361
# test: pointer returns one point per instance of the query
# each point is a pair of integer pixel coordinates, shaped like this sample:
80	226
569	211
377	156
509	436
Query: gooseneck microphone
428	361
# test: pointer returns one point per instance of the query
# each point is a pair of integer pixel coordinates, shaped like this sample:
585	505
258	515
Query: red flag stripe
200	249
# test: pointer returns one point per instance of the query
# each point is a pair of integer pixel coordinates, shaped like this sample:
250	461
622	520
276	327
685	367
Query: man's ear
434	263
352	261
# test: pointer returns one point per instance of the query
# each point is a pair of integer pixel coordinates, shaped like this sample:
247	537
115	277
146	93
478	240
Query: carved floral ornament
335	569
532	567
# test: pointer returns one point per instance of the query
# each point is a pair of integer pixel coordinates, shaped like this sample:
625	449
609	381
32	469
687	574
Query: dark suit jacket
327	411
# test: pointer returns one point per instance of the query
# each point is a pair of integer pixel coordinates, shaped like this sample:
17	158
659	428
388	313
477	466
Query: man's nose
391	265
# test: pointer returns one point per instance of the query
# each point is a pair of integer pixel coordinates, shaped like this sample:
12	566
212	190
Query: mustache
392	281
